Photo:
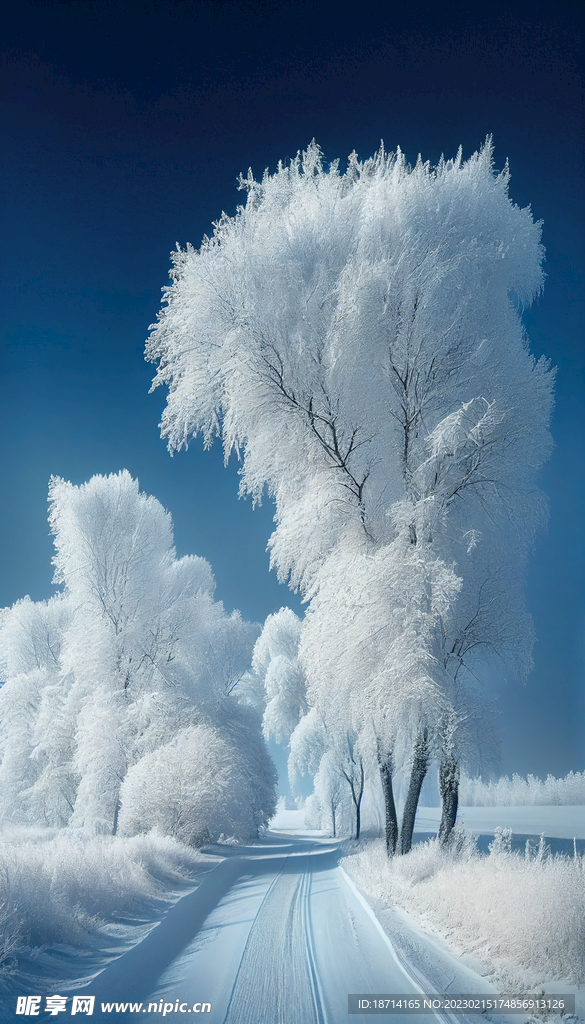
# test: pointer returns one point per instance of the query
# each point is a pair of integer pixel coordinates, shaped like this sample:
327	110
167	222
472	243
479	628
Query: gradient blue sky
124	127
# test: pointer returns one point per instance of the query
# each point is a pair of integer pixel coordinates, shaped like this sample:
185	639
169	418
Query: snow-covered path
276	934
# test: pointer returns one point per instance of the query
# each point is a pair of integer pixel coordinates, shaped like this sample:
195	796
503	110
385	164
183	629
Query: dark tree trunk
420	765
449	790
357	791
391	827
357	799
116	816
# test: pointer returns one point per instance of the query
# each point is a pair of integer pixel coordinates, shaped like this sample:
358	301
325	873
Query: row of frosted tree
518	792
118	713
356	339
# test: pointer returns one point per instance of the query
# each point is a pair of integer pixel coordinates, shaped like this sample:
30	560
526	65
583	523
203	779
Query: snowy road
276	934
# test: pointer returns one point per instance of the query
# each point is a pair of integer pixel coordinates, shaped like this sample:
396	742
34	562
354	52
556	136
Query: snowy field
555	822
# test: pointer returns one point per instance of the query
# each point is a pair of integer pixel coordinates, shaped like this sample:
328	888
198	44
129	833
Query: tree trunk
449	789
420	764
358	803
116	815
356	795
391	827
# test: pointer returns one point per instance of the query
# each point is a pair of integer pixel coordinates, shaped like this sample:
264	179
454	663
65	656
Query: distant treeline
518	791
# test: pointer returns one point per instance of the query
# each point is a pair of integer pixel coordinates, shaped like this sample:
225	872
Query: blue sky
124	127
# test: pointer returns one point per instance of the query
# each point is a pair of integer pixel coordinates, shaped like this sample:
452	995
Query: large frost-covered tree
103	680
356	338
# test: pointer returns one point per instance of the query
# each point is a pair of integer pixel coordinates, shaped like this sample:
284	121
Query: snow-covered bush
193	789
517	791
517	913
179	789
68	891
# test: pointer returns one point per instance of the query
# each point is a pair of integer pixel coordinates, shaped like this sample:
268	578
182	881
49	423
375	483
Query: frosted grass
83	895
521	915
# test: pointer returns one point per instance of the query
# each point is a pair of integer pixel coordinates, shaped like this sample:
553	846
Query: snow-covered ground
275	934
478	915
554	822
291	821
279	933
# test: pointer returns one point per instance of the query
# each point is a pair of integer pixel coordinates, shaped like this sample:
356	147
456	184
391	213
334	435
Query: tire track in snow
309	944
277	979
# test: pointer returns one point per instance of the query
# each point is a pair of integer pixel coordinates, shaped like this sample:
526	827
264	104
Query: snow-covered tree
115	557
356	338
519	791
191	788
36	775
107	673
330	802
276	663
373	661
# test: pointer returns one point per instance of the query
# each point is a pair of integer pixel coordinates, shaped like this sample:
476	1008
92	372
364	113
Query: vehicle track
307	930
277	979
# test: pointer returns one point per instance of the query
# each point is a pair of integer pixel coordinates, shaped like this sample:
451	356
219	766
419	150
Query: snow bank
83	895
521	915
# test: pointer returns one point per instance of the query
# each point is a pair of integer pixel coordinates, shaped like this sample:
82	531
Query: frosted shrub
189	789
502	841
528	912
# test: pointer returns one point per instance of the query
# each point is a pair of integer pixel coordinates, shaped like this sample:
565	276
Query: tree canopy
357	339
124	675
